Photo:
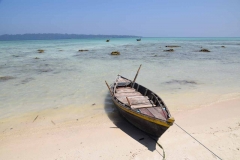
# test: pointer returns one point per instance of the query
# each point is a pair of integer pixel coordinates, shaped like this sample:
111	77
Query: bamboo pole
136	76
109	88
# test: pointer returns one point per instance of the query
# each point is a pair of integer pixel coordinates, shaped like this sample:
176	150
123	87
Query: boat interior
139	99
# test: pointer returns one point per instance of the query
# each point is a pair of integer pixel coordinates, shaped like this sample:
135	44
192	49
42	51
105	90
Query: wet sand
99	132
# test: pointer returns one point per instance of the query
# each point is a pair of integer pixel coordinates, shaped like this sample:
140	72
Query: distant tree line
52	36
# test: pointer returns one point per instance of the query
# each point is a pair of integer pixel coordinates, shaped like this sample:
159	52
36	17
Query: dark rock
82	50
204	50
172	46
223	46
40	51
169	50
115	53
36	58
107	40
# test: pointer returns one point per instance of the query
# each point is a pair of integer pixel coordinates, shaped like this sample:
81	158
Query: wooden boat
140	106
139	39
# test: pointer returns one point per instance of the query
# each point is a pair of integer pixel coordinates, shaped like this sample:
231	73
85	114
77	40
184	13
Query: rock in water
115	53
40	51
82	50
169	50
172	46
204	50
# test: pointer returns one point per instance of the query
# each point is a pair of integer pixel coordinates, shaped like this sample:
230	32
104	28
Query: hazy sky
153	18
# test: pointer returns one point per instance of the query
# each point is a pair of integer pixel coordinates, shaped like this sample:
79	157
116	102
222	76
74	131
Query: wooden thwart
141	106
125	90
129	94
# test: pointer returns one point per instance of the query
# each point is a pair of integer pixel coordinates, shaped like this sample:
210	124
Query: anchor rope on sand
158	145
198	141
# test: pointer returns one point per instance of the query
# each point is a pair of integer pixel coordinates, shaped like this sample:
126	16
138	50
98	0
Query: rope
198	141
158	145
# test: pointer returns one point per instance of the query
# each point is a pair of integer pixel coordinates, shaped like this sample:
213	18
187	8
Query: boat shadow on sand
121	123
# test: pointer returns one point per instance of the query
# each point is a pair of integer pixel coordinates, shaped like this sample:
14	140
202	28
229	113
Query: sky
147	18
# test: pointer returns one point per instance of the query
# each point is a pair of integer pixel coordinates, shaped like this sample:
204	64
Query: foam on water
62	76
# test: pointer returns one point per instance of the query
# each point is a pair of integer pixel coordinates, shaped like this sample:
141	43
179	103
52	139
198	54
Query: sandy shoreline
76	133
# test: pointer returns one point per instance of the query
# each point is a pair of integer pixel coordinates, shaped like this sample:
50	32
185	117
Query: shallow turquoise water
62	76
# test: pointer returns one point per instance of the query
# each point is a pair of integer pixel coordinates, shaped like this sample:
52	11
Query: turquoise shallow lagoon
62	76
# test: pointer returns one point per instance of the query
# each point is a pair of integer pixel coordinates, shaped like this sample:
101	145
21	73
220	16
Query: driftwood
53	122
35	118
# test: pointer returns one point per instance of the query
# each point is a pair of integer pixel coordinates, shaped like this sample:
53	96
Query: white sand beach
63	134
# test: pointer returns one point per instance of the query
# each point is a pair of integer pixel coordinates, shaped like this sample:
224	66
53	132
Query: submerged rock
182	82
169	50
172	46
115	53
223	46
27	80
45	70
204	50
36	58
5	78
82	50
40	51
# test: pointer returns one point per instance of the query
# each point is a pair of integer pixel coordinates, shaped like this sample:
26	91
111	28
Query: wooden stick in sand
136	76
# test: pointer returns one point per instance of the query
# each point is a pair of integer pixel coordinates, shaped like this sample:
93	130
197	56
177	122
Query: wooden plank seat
140	102
128	94
125	90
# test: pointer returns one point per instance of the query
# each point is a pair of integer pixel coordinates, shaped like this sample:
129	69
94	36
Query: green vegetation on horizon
52	36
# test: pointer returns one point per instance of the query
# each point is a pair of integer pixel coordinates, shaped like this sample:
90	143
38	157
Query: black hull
144	125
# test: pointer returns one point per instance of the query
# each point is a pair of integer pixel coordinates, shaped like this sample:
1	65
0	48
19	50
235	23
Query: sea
63	76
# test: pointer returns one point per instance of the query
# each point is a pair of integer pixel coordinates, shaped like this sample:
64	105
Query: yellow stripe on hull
156	121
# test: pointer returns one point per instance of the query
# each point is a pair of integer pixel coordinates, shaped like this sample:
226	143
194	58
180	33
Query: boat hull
141	122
